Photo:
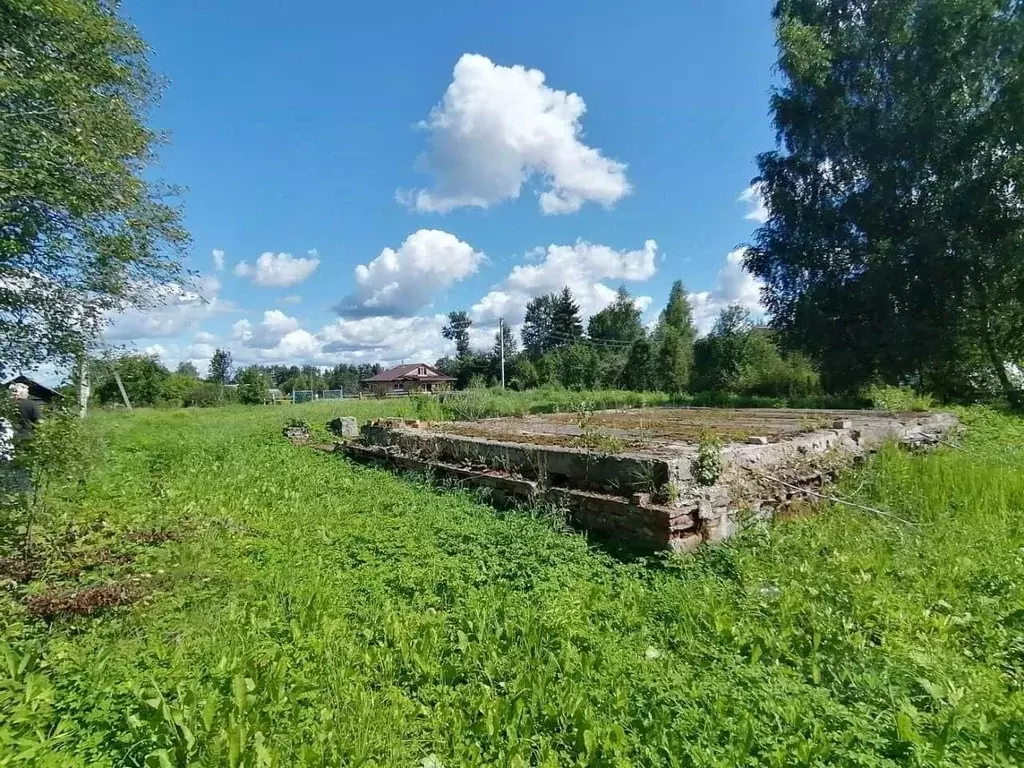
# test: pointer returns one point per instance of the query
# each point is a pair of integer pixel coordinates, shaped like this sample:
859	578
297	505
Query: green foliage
143	377
220	367
252	386
897	399
551	321
181	389
706	466
638	373
618	322
55	457
677	313
892	251
591	438
566	326
577	366
740	357
82	228
674	362
321	613
187	368
457	330
536	330
673	343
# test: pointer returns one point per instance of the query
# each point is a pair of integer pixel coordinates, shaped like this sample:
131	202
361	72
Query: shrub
888	398
252	386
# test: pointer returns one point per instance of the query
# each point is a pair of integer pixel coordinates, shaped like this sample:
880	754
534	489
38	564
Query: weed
706	466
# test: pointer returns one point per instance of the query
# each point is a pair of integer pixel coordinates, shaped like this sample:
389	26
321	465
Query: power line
611	343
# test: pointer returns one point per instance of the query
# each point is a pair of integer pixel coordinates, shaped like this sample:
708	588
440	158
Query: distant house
36	391
408	379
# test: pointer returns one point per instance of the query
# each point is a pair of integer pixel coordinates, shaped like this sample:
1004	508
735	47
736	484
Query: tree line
616	350
149	382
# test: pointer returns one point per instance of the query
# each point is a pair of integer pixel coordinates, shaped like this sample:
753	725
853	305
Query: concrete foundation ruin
656	477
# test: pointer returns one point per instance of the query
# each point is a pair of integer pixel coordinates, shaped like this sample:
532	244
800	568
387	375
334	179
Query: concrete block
842	424
757	440
344	426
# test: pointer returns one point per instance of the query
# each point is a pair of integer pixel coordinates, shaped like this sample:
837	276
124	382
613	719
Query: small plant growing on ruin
596	442
706	466
584	410
592	439
670	493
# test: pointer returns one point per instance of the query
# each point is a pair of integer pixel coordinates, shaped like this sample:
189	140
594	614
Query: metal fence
302	395
309	395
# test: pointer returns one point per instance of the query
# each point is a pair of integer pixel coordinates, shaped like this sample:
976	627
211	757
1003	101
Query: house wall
408	387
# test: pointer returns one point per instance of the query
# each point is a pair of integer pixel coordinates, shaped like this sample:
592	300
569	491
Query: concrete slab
655	476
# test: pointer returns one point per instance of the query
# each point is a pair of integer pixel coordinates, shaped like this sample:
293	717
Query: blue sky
497	151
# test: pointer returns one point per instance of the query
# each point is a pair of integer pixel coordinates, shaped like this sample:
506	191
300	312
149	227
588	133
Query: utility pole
501	336
120	386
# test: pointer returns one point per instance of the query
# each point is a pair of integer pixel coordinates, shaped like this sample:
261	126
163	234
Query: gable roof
409	373
35	389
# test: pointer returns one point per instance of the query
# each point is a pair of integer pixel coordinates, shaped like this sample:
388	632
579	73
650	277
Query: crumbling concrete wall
654	498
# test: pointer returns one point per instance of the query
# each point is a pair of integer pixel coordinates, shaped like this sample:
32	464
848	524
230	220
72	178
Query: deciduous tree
220	367
252	386
457	331
618	322
84	230
896	196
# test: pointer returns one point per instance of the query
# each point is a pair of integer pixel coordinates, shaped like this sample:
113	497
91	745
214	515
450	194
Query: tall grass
319	613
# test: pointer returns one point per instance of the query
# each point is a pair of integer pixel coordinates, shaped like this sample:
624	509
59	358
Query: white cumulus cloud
753	196
218	259
274	327
172	353
734	285
278	270
400	282
582	266
496	128
386	339
278	338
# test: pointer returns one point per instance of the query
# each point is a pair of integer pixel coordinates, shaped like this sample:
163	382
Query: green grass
316	613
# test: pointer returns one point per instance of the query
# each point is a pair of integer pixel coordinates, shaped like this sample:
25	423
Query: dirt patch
573	438
20	569
691	425
83	602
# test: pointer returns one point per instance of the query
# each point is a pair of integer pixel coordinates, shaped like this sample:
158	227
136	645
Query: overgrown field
280	606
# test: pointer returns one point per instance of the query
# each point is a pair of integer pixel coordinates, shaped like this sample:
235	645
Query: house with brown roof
408	379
